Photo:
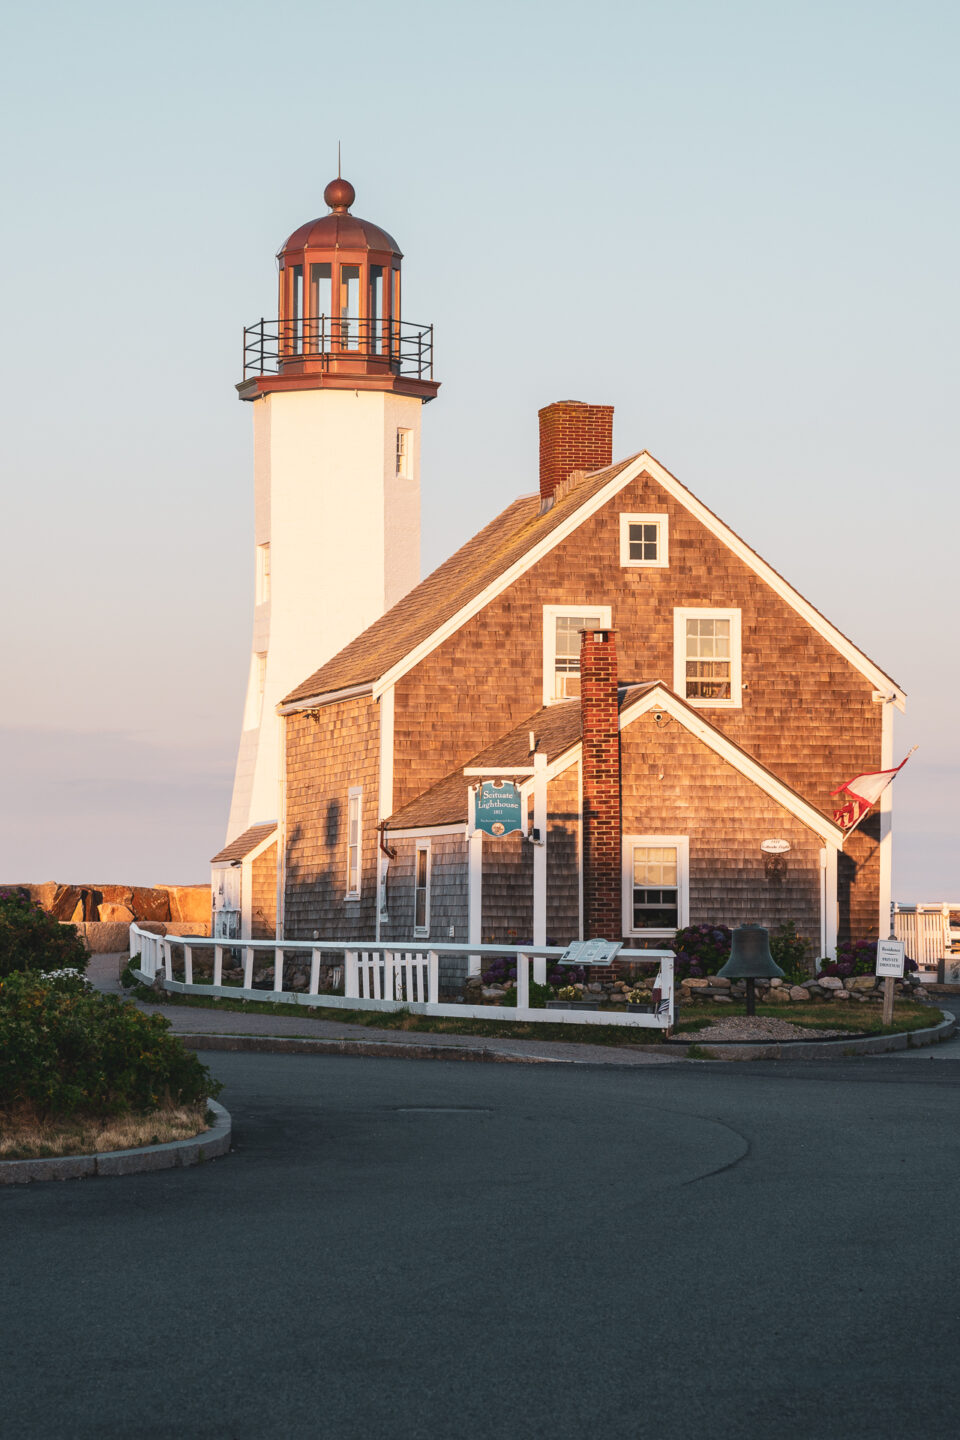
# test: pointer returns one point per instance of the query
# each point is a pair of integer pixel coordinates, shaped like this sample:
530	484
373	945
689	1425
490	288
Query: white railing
388	976
927	933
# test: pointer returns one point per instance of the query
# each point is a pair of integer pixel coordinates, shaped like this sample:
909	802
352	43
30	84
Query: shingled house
676	710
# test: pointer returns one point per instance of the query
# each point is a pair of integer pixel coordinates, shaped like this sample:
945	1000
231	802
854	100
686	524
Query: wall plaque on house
774	847
497	808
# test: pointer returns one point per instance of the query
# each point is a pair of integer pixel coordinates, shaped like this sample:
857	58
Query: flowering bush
30	939
636	996
65	1049
503	970
700	950
858	957
568	992
791	952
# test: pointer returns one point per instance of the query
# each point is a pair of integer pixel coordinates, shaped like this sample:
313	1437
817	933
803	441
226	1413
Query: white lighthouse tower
337	384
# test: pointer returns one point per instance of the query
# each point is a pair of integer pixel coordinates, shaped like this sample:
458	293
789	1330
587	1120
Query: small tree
30	939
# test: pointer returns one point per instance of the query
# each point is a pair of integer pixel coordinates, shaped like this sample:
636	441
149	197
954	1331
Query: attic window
643	541
706	657
561	646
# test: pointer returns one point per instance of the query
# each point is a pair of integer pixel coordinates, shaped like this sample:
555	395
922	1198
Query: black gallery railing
402	346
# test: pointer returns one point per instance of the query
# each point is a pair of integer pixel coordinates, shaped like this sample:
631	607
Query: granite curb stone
173	1154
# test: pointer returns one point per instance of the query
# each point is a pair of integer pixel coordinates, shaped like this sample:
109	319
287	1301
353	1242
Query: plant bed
26	1136
850	1019
573	1004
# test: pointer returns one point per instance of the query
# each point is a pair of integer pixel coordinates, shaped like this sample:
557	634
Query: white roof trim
660	698
423	832
643	462
329	697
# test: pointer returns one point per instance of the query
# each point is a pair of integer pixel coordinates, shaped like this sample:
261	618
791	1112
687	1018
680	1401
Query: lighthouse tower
336	384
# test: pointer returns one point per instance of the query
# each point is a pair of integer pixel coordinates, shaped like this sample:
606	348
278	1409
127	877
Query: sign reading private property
890	955
498	810
590	952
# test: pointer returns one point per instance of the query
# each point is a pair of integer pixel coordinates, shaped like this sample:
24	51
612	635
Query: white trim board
645	463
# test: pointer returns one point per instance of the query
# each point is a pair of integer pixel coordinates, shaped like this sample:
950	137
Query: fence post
433	966
278	969
389	986
314	972
188	964
167	959
218	964
523	982
248	967
351	975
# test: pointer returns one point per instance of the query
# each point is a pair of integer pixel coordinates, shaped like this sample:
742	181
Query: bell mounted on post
750	960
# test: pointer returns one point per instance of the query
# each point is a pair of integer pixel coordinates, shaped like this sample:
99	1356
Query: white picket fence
930	937
385	976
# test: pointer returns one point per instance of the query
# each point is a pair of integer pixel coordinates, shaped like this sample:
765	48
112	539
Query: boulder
842	995
830	982
189	902
696	983
115	914
861	982
720	981
799	992
148	904
65	901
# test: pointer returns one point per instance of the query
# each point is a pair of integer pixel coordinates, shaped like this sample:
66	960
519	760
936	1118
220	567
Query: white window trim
550	615
355	791
404	469
263	573
682	842
707	612
421	931
663	542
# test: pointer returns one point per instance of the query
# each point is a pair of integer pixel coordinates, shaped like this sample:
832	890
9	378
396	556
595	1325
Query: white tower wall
344	535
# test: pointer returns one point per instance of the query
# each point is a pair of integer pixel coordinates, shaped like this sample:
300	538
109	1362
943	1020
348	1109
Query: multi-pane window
656	895
655	889
643	540
421	891
354	800
403	453
263	574
567	651
707	656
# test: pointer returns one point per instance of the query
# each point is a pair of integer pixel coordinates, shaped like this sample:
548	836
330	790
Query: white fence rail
930	936
384	977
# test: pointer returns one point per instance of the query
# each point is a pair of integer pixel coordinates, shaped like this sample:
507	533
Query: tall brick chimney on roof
602	905
573	436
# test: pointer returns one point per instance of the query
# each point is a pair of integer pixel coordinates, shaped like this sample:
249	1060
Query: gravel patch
758	1027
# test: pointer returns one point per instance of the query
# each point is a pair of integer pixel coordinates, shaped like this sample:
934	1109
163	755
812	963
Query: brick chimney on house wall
573	436
602	904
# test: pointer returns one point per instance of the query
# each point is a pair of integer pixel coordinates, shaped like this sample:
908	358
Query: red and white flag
862	792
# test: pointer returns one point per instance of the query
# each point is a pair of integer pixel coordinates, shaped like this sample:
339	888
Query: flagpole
870	807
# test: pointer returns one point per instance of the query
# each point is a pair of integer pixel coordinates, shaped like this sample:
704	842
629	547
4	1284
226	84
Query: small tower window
263	574
404	467
296	310
376	309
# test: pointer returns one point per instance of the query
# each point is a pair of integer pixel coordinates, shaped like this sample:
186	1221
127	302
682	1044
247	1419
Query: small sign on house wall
498	810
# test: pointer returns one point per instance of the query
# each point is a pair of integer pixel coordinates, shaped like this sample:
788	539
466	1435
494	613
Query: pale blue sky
737	223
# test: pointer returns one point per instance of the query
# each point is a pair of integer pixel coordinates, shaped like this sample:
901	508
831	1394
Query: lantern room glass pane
321	306
375	309
296	310
349	307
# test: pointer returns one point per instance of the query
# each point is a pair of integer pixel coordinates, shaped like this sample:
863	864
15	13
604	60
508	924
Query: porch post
475	897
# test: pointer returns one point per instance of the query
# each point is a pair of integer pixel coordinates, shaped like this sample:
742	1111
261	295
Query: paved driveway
405	1248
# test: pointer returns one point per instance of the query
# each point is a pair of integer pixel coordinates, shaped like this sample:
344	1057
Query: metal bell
750	957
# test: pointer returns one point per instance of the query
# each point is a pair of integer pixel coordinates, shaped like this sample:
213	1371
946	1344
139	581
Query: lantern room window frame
372	328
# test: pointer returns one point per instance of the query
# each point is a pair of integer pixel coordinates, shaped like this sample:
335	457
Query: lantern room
339	323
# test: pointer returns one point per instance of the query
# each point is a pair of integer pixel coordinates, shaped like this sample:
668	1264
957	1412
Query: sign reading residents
498	810
890	955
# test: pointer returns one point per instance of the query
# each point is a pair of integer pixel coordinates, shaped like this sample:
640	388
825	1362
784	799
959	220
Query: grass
23	1136
863	1019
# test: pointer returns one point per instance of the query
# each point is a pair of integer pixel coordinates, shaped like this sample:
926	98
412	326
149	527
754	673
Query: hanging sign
497	808
890	955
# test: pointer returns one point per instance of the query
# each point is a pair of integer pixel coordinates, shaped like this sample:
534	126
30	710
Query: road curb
383	1049
173	1154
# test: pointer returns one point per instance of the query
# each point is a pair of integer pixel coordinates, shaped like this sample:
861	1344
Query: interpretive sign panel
590	952
498	809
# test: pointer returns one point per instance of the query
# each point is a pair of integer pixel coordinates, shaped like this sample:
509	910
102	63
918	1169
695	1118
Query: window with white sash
421	889
656	885
561	646
354	852
643	541
706	656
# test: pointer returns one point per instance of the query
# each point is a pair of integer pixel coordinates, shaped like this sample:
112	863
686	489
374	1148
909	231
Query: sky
735	222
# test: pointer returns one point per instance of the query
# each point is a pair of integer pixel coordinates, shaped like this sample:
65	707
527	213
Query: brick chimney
573	436
602	903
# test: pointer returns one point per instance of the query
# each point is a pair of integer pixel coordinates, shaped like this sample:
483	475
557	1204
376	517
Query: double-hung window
656	888
706	656
643	541
421	889
561	646
354	852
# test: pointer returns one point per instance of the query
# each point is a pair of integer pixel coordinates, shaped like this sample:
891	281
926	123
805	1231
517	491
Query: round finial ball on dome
339	194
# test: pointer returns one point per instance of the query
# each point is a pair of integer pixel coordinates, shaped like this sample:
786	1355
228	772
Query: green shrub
65	1048
30	939
539	995
792	952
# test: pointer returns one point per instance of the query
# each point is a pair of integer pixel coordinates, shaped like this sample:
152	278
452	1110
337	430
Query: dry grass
25	1137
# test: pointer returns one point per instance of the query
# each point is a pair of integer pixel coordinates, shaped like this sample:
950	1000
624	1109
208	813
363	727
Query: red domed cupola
339	325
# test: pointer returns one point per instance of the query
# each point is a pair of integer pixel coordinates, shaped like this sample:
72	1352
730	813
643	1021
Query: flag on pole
861	793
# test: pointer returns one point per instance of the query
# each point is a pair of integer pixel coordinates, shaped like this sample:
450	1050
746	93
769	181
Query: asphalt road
403	1248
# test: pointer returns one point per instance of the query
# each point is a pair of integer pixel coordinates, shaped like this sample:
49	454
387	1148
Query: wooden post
888	984
523	982
218	964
